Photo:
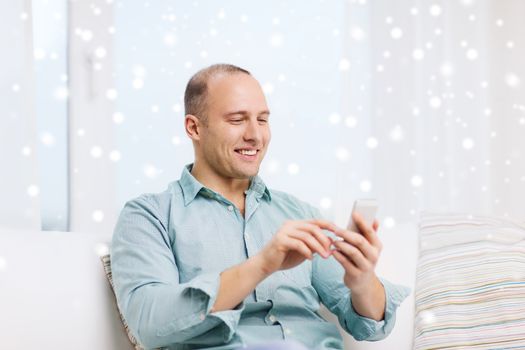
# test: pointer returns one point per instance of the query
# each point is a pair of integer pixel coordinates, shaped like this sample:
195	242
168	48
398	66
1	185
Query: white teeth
248	153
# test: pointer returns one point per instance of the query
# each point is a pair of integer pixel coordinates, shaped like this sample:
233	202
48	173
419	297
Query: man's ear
192	125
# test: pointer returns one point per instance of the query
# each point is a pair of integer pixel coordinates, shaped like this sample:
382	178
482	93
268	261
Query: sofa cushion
470	283
106	261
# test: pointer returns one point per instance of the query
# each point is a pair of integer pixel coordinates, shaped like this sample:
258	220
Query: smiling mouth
247	152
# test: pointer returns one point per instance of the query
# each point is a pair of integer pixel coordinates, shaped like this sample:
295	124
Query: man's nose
253	131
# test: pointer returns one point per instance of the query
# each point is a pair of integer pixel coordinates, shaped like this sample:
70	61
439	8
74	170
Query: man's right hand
291	245
296	241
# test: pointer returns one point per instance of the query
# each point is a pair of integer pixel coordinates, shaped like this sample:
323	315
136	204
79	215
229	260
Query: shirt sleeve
158	308
327	279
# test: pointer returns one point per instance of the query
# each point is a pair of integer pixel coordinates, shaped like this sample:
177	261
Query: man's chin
245	172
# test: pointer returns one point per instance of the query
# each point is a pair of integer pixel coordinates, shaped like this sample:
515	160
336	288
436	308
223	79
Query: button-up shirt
169	249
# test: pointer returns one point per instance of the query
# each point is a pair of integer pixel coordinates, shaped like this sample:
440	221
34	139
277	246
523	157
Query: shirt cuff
364	328
203	290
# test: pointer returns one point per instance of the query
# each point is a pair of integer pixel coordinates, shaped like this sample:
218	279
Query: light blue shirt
168	251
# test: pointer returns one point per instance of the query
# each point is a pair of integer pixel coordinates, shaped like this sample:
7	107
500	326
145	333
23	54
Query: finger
312	243
348	266
375	225
298	246
365	229
353	254
325	224
357	240
316	231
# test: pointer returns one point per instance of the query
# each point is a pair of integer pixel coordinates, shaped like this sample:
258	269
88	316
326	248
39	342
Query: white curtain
19	188
434	90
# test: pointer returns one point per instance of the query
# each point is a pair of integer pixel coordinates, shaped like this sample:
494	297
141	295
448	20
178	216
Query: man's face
236	136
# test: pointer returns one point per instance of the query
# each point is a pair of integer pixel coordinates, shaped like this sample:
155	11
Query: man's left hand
359	254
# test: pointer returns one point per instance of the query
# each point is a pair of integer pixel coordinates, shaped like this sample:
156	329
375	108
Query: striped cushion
106	261
470	284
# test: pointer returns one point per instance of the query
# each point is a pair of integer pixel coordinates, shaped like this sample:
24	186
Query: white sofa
54	294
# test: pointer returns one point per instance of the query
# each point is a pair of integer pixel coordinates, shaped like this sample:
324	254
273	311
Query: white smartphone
367	208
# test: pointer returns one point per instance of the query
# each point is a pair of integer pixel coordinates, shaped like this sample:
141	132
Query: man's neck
230	188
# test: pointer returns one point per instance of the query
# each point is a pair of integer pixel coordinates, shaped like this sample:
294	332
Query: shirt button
287	331
230	207
247	235
272	318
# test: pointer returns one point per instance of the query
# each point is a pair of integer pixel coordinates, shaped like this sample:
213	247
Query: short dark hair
196	93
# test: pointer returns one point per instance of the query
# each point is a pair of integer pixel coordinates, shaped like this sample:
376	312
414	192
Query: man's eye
235	121
263	121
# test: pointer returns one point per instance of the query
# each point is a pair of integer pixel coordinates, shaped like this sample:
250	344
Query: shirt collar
191	186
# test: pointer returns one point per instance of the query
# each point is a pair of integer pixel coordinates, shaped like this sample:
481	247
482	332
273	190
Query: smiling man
220	261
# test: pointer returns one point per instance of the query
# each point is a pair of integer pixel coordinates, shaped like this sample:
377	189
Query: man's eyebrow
244	113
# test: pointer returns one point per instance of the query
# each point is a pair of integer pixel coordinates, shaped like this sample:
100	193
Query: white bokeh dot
334	118
137	83
472	54
61	93
396	33
268	88
446	69
351	121
101	249
357	33
176	108
389	222
33	190
47	138
372	143
273	166
97	215
512	80
139	71
151	171
418	54
169	39
325	203
435	10
86	35
39	54
96	152
468	143
427	317
26	151
397	133
115	156
365	186
111	94
342	154
100	52
118	118
293	168
344	64
435	102
276	40
416	181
